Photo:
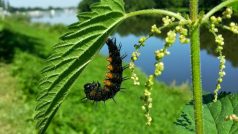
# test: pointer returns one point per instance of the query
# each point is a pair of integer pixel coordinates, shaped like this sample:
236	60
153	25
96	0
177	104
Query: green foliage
2	4
235	7
60	28
71	55
19	34
215	114
130	5
24	48
206	5
133	5
84	5
16	113
10	41
26	68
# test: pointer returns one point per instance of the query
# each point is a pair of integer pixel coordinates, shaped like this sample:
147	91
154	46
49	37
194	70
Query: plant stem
156	12
196	69
217	8
193	10
196	80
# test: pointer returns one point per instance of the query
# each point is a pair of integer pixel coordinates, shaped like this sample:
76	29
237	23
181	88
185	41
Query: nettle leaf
214	116
72	54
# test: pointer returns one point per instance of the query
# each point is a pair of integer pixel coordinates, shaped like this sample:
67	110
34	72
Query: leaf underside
72	54
214	116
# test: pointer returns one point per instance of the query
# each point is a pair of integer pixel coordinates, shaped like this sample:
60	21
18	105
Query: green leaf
235	7
72	54
214	116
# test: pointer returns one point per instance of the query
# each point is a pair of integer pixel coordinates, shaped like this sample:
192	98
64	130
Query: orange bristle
109	59
110	67
107	83
109	75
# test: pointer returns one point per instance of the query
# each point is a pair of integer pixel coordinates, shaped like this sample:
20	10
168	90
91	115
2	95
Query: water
177	65
66	17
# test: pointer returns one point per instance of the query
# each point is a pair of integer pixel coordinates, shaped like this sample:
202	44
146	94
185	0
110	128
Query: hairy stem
155	12
196	69
217	8
196	80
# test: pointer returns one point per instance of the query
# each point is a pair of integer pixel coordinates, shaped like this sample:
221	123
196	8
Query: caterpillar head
88	87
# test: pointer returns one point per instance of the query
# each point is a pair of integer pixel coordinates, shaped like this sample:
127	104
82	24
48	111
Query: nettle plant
86	37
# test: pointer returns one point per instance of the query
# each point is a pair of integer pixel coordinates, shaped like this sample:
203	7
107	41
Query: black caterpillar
114	78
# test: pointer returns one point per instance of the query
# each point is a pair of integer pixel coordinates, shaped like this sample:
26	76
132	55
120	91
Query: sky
43	3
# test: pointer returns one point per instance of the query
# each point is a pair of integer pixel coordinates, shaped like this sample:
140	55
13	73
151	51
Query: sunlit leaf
215	114
72	54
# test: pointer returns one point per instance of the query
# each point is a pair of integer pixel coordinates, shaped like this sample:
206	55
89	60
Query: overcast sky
43	3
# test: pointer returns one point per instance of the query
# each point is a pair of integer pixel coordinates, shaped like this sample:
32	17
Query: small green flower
142	40
135	55
216	20
149	119
159	65
183	39
171	37
166	20
155	29
234	27
232	117
135	79
131	65
159	68
227	13
147	93
143	108
219	39
221	72
159	54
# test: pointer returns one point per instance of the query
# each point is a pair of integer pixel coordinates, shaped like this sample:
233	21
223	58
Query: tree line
132	5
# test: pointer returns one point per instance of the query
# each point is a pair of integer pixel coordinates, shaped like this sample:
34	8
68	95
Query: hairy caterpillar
114	78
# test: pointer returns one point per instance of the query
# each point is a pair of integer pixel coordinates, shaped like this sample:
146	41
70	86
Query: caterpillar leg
125	67
125	78
84	99
123	56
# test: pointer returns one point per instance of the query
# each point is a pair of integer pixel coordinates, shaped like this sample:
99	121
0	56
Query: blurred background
29	29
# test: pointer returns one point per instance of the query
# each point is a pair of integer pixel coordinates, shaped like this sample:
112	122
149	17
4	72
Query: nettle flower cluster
179	28
159	55
216	22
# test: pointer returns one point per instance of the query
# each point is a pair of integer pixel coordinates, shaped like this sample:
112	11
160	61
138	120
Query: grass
74	116
15	112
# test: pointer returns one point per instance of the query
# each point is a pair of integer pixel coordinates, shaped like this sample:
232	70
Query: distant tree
2	3
84	5
169	3
208	4
130	5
